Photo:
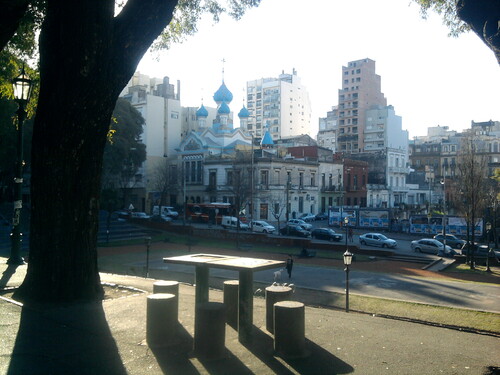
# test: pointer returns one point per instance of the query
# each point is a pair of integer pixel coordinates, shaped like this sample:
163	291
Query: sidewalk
109	338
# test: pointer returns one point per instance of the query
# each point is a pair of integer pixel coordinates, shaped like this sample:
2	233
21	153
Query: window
212	178
313	179
174	115
264	178
301	180
229	177
263	211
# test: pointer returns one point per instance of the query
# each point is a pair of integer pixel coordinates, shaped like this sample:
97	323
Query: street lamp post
347	263
148	245
488	231
22	91
444	208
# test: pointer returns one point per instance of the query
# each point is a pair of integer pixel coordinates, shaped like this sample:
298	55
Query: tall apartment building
159	104
282	104
361	91
327	130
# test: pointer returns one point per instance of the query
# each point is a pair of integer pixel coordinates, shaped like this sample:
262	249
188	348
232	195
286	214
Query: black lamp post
347	263
147	240
488	231
22	91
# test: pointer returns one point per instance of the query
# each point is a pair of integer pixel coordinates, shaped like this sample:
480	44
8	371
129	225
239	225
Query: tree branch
483	18
12	11
135	29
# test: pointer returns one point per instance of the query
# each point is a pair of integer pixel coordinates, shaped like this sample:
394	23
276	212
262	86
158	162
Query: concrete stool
275	293
210	330
231	302
167	286
289	329
162	318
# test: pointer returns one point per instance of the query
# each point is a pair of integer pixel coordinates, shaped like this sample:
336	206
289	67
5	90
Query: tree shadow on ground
69	339
175	358
318	361
7	274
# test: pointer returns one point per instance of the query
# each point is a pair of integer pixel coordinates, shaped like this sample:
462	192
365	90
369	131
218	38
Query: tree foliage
124	152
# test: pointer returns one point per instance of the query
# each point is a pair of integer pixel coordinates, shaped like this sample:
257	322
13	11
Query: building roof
224	109
223	94
243	113
202	112
267	140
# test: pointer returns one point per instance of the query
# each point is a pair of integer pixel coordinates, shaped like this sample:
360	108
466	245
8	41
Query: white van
230	222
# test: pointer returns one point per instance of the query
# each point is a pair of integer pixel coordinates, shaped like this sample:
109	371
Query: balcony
399	170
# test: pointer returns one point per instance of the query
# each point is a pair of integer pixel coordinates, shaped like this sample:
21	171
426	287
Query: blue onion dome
267	140
224	109
223	94
202	112
243	113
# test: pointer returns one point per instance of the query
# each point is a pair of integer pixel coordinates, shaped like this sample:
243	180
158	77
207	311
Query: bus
208	212
422	224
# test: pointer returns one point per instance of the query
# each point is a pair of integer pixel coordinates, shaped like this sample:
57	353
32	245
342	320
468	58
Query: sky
430	78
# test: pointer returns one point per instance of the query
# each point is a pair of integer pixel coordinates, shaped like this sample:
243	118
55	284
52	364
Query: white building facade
280	103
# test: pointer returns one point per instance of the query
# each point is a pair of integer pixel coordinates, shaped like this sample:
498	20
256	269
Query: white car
300	222
431	246
377	239
262	226
170	211
140	215
308	217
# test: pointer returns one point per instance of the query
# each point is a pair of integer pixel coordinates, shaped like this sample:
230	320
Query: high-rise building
361	91
281	104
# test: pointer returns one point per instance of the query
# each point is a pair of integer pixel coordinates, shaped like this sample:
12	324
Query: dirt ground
378	265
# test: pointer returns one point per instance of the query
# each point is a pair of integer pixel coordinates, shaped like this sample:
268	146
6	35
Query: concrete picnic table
245	267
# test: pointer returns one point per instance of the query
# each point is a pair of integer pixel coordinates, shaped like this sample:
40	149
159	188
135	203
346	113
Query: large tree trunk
86	58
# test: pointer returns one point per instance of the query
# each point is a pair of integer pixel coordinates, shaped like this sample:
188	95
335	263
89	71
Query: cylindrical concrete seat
210	330
166	286
162	318
289	329
275	293
231	302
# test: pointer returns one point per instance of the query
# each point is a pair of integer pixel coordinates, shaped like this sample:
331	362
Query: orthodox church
219	138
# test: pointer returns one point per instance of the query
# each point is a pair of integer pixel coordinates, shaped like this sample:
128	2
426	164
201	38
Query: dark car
325	234
451	240
322	216
295	230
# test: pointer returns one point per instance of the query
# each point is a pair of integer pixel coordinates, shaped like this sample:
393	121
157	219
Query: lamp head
347	258
23	86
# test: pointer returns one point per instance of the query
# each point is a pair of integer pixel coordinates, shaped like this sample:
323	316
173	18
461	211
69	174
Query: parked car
140	215
231	222
161	218
377	239
170	211
432	246
451	240
307	217
478	250
300	222
322	216
262	226
295	230
325	234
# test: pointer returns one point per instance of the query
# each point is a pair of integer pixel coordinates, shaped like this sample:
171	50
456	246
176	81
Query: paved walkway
109	338
441	292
